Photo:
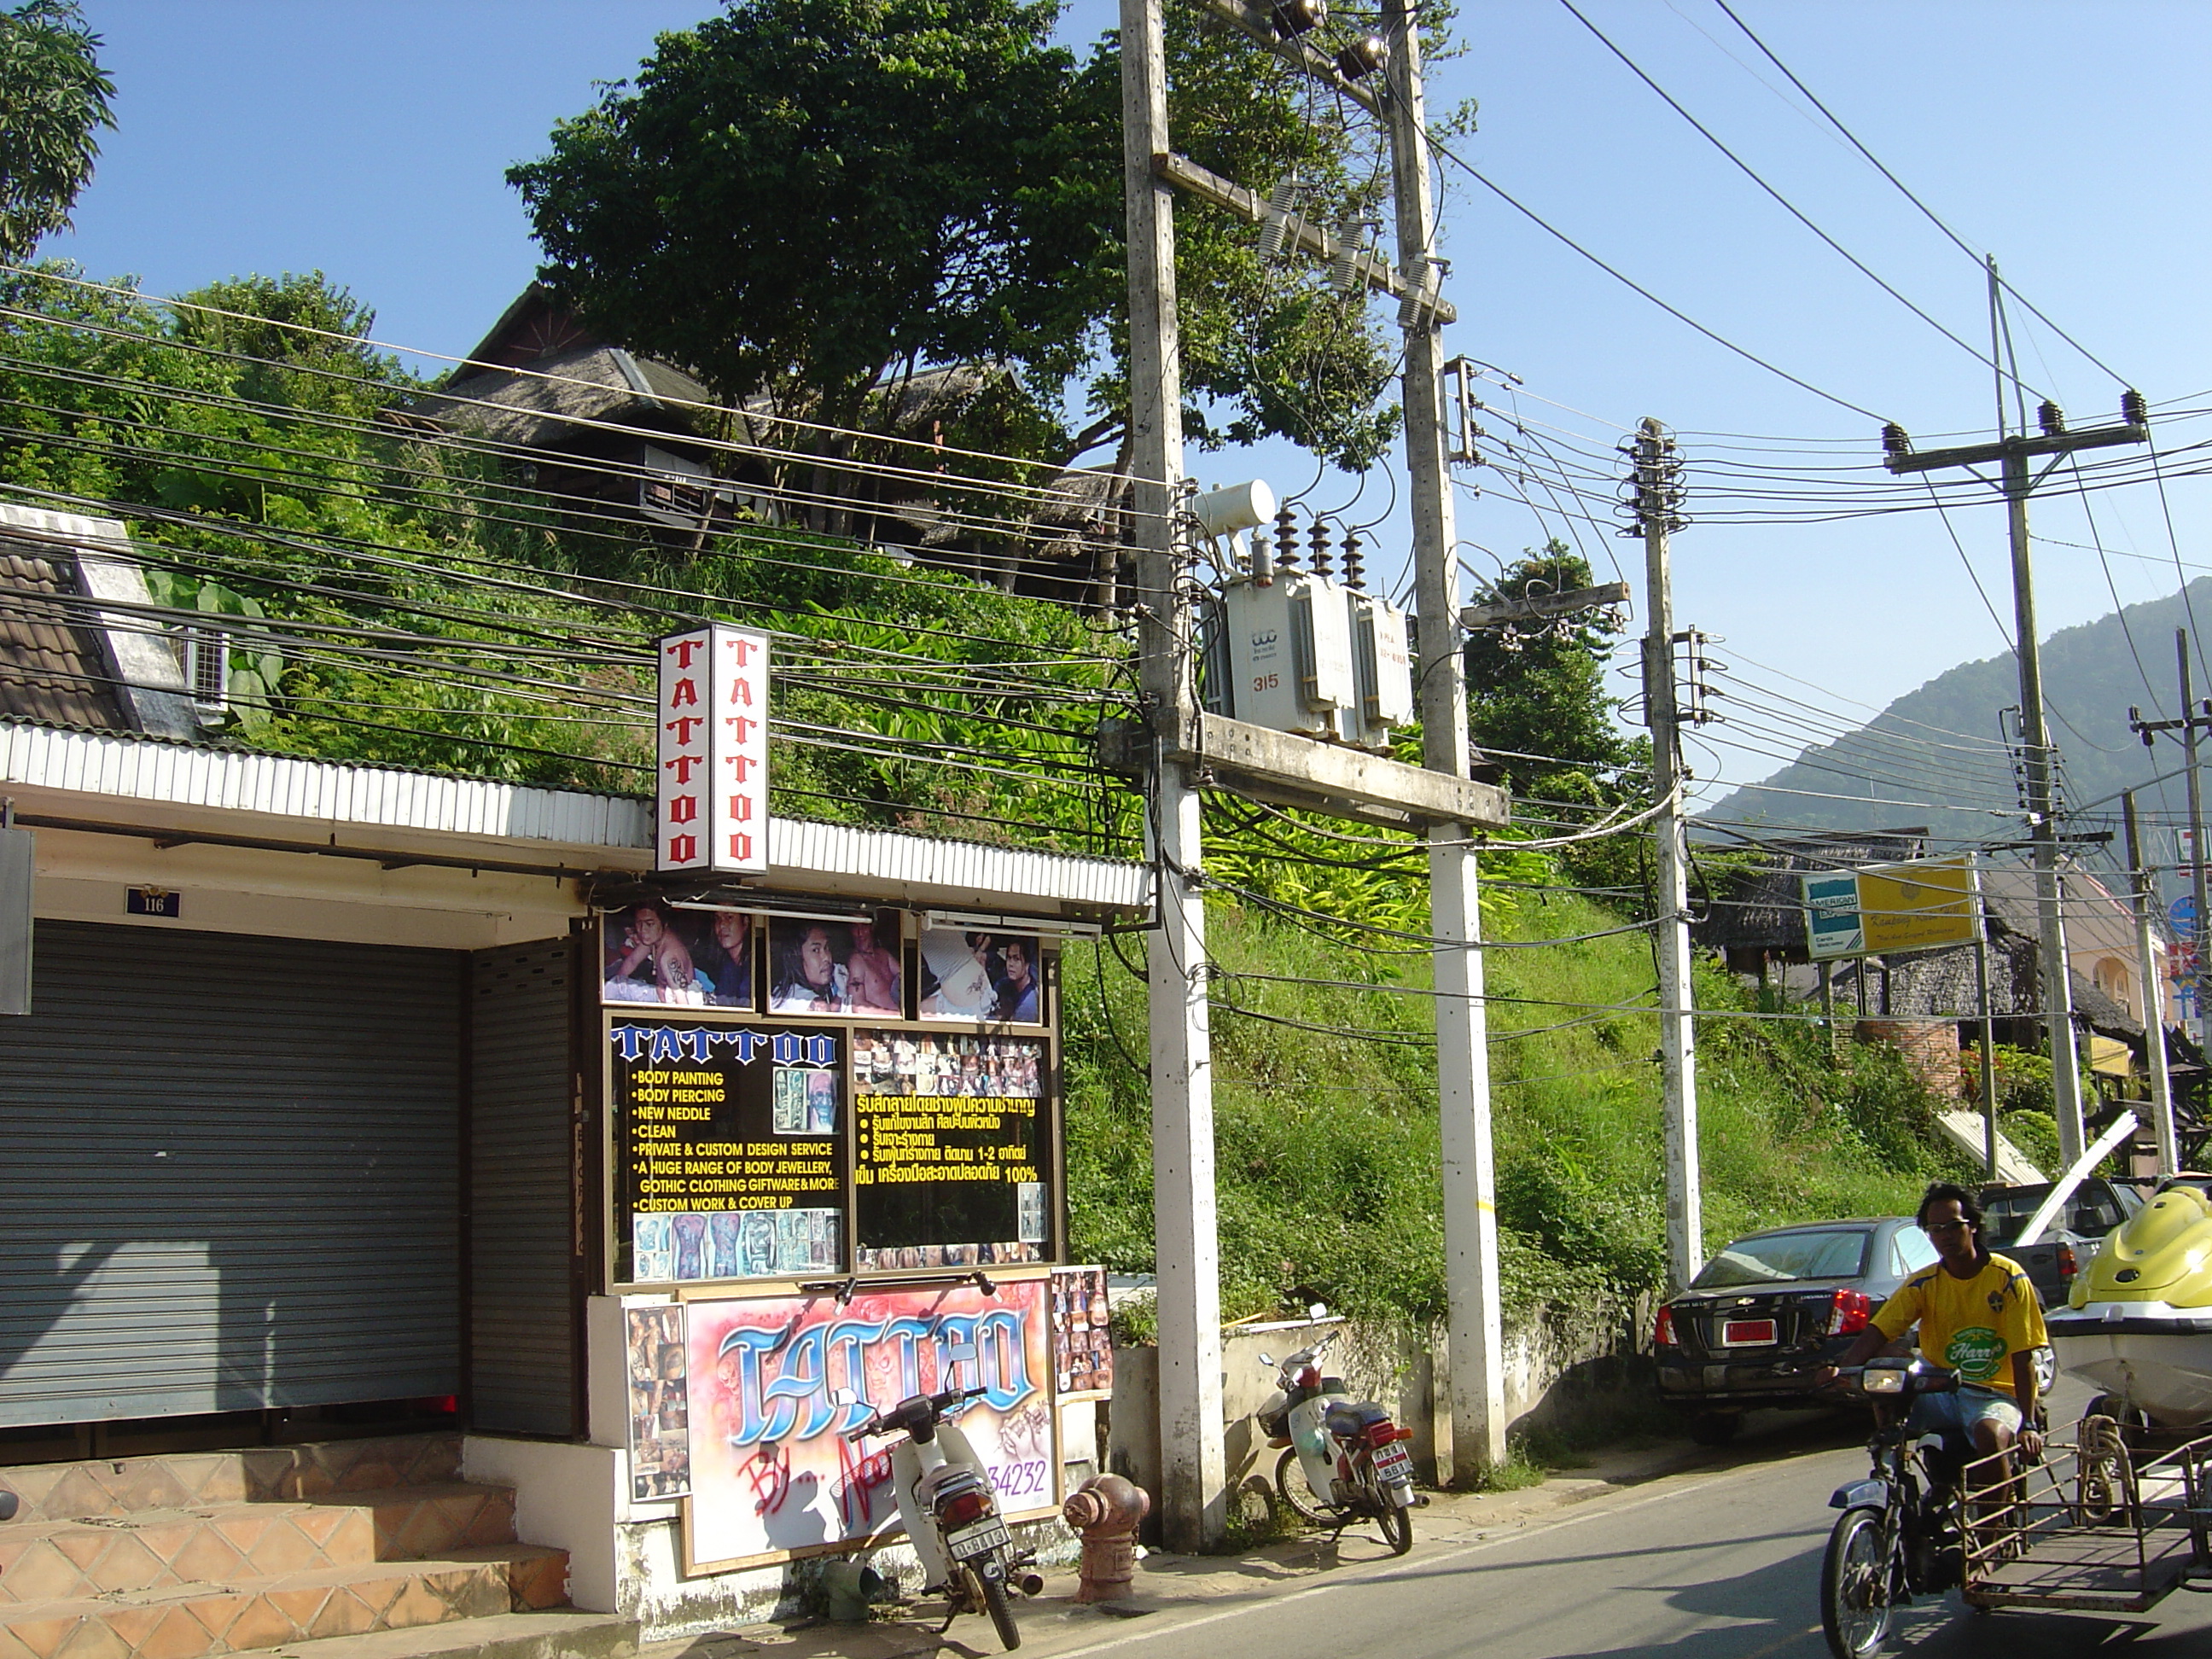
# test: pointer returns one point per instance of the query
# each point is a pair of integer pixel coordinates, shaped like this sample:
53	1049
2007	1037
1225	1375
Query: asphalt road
1721	1564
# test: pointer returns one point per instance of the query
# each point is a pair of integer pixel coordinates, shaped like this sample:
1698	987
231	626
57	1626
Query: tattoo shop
353	1101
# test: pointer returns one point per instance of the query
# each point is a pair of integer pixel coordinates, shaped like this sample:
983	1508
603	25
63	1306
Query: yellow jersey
1972	1325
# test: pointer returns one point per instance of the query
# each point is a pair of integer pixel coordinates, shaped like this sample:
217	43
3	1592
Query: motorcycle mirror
1268	1360
846	1397
1317	1310
958	1353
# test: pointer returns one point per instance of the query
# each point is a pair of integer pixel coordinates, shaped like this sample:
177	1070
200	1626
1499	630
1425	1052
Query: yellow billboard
1924	905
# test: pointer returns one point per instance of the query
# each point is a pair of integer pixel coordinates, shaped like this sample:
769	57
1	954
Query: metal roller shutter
229	1175
521	1311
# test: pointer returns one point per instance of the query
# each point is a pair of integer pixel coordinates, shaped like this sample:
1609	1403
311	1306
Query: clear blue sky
368	138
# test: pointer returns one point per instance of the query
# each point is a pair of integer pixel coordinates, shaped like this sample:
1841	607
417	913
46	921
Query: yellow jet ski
2138	1324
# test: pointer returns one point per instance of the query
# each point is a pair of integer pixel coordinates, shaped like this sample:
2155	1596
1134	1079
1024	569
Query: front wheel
1855	1585
1397	1526
1291	1481
990	1589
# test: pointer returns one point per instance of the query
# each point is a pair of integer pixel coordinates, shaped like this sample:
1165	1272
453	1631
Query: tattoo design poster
771	1470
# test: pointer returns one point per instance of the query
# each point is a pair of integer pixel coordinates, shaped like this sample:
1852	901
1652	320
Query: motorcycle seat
1354	1419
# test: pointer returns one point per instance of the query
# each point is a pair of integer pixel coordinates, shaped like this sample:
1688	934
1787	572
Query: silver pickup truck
2095	1207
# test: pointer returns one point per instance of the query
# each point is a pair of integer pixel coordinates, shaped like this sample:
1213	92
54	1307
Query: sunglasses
1932	1228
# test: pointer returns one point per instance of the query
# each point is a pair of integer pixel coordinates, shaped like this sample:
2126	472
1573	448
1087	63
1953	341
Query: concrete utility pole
2153	1011
1470	1203
1658	501
1192	1464
2013	453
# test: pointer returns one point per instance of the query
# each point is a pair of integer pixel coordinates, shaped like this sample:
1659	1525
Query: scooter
1343	1460
951	1513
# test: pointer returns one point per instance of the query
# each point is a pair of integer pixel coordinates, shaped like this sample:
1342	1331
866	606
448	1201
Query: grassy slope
1327	1145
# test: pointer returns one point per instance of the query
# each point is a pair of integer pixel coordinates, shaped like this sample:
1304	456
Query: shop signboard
780	1104
1925	904
729	1150
951	1144
710	800
771	1474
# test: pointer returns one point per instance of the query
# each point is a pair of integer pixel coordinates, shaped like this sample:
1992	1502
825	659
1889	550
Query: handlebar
929	1409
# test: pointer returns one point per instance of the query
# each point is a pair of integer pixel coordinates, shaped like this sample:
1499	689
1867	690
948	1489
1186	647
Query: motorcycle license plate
1748	1333
1392	1463
980	1539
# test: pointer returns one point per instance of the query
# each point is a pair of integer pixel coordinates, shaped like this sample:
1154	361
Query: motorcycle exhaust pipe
1030	1583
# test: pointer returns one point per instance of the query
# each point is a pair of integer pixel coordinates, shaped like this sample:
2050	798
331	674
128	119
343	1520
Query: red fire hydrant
1105	1512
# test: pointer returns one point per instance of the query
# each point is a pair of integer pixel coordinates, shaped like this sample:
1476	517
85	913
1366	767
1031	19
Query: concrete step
149	1549
198	1620
557	1633
173	1481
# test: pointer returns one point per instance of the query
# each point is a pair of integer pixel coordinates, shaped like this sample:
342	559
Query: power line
1972	253
1437	143
1787	206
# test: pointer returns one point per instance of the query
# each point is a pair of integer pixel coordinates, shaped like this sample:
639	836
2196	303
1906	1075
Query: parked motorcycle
951	1514
1343	1460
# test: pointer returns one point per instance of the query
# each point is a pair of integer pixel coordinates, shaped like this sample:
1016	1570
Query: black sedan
1769	1308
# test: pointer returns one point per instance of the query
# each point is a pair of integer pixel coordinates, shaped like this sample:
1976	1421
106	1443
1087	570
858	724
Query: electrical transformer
1288	649
1383	672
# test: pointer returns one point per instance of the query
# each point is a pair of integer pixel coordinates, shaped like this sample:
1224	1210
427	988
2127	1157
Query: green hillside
1327	1145
2090	680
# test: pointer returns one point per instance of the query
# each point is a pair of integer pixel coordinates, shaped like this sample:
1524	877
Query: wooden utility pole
2153	1009
1658	501
2017	482
1986	1070
2193	720
1192	1462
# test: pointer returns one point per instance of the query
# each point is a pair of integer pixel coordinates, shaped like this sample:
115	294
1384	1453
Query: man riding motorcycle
1979	1317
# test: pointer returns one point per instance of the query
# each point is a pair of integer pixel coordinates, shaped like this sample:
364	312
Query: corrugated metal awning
140	783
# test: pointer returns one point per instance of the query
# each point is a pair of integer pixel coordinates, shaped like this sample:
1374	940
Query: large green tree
810	201
54	98
1539	703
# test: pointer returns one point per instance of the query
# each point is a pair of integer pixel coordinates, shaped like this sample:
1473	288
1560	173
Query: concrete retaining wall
1566	1364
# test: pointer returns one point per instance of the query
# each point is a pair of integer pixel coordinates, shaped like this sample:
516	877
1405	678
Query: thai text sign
711	802
1926	904
771	1470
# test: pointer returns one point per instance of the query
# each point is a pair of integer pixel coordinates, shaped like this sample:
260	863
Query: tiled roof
50	666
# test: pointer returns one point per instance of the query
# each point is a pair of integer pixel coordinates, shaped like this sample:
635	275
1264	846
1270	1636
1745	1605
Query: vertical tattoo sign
711	805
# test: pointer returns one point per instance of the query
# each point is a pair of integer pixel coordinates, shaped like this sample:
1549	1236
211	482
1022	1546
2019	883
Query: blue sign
1832	924
2182	912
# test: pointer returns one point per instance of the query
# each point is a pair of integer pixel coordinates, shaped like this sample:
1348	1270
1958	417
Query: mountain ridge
1934	755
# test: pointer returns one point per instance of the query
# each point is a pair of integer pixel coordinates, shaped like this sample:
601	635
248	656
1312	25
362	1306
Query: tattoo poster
952	1148
982	978
1082	1346
771	1474
729	1148
837	968
680	957
659	1406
